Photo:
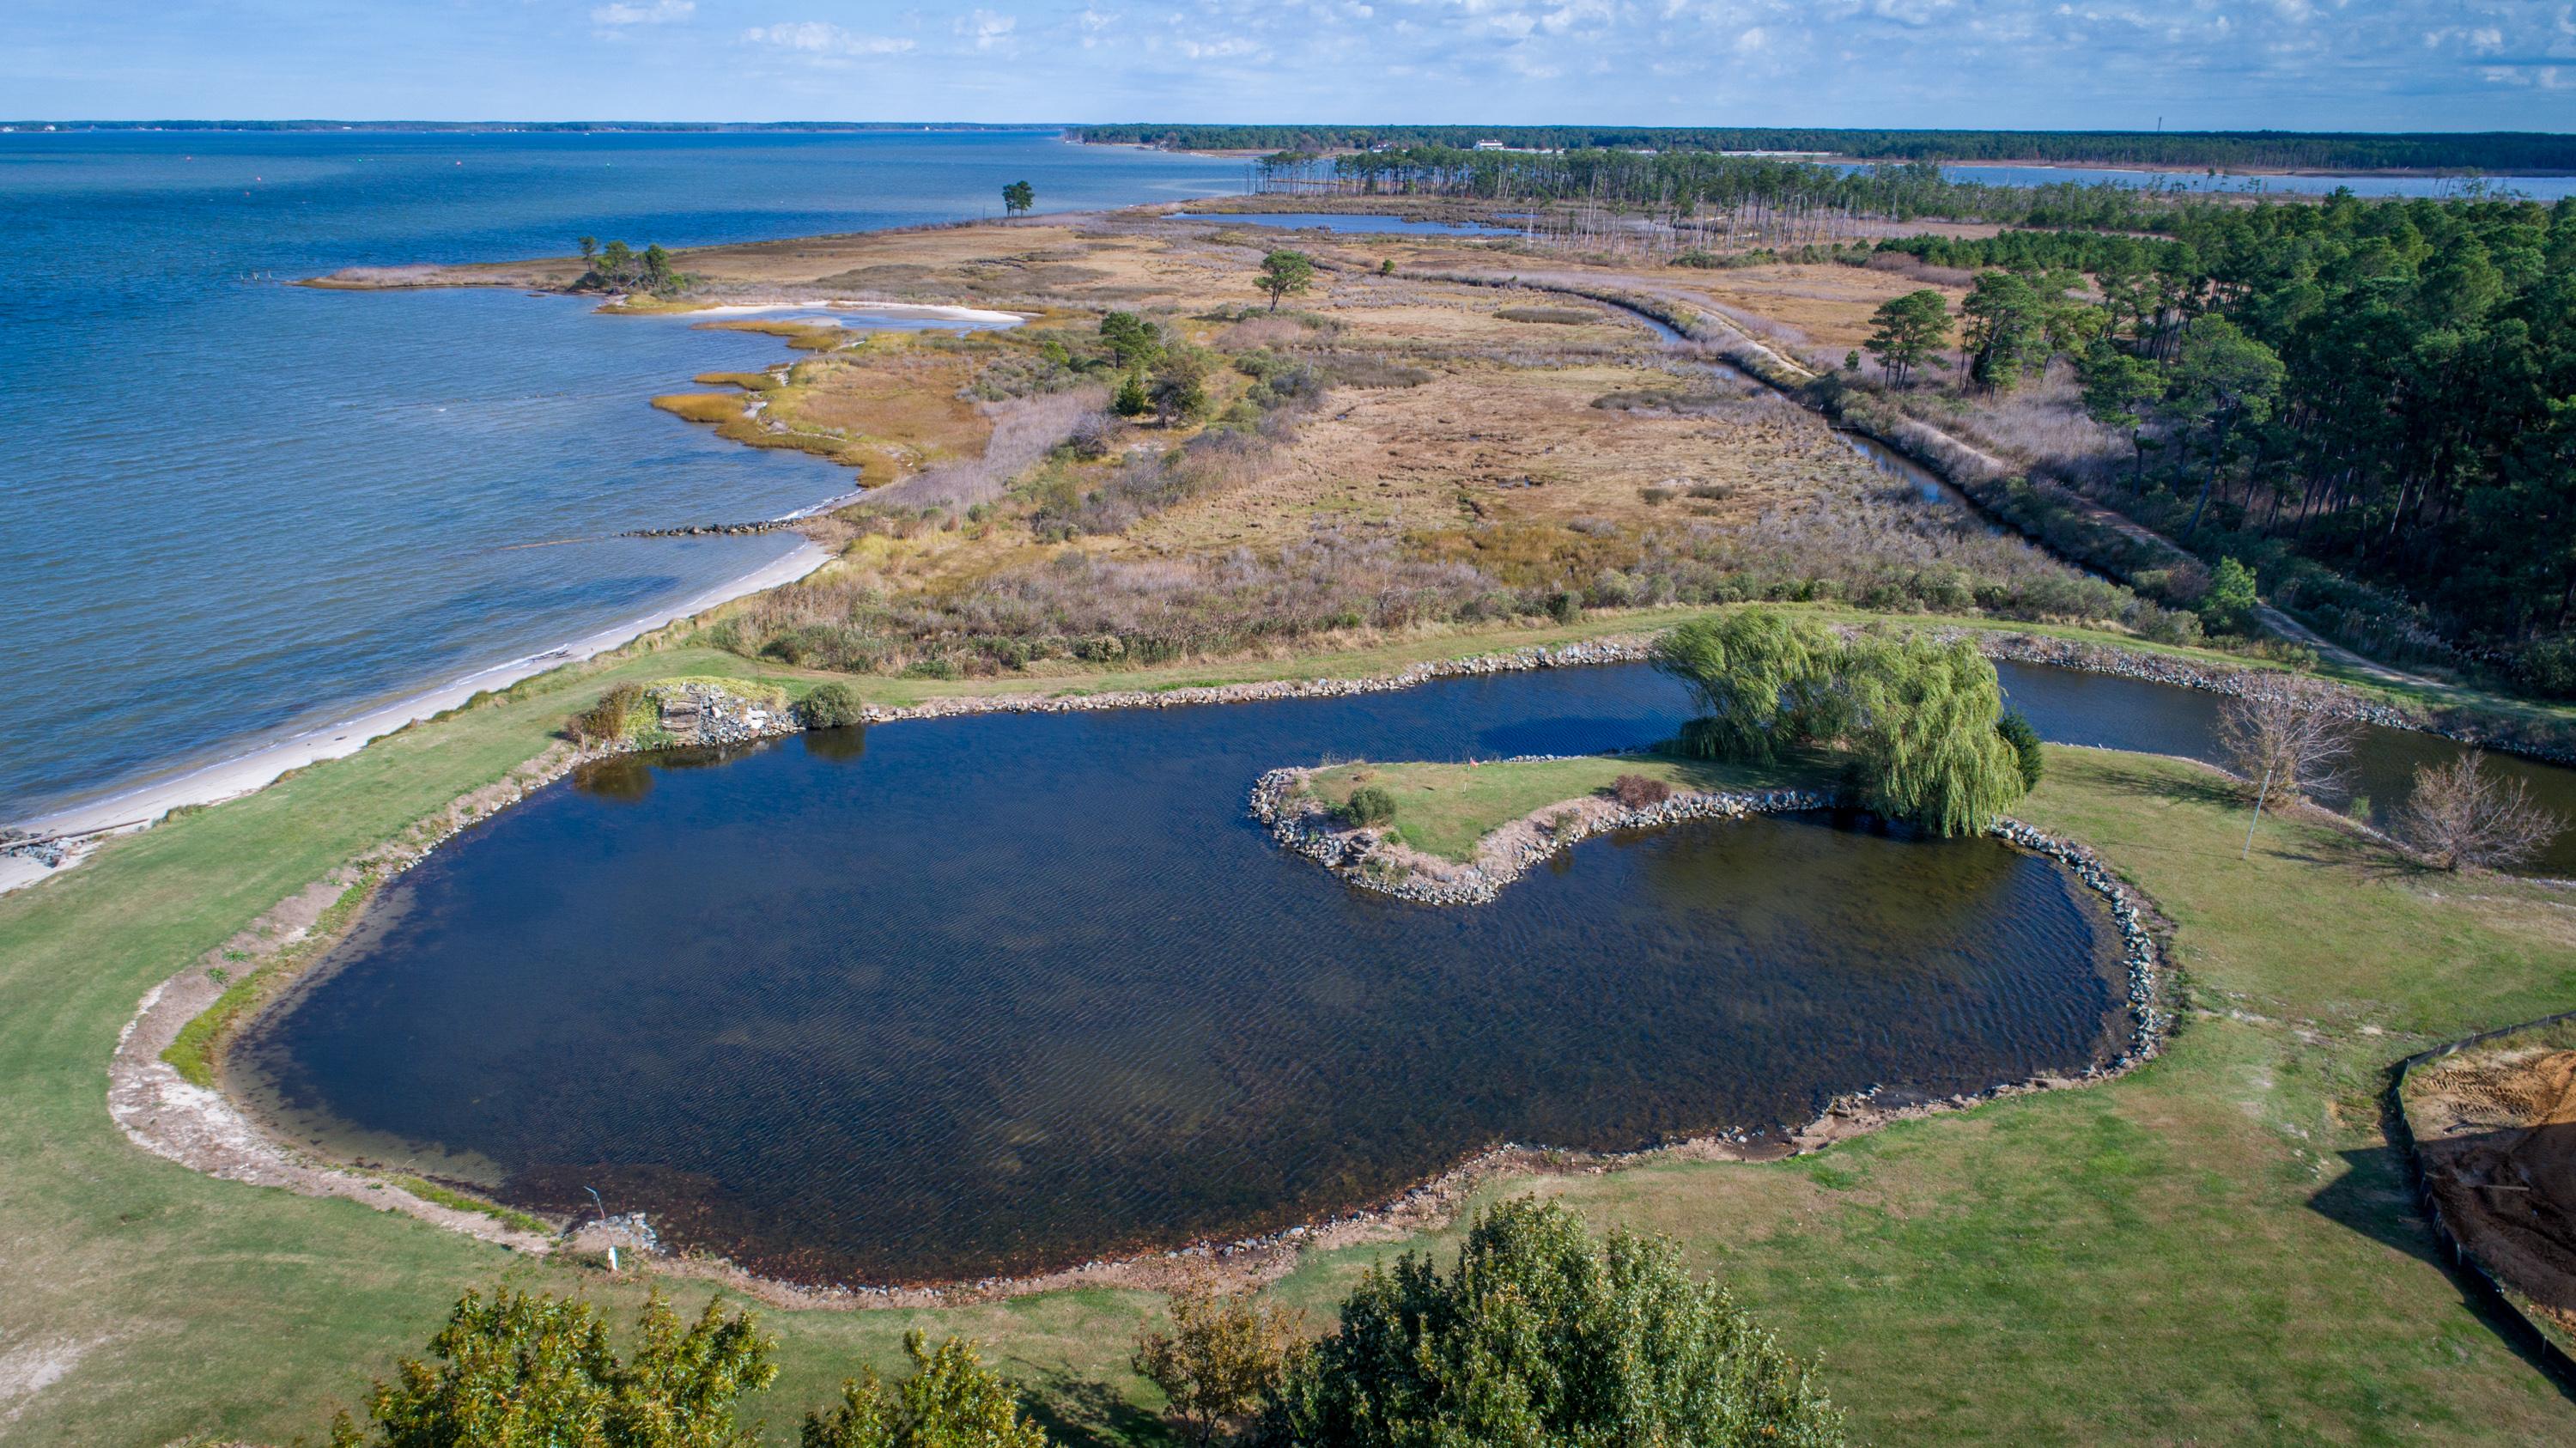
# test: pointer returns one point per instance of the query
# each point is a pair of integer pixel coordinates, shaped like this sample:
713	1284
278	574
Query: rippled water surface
954	998
231	507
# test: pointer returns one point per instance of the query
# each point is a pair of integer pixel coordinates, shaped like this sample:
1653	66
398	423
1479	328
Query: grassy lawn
1444	809
2218	1247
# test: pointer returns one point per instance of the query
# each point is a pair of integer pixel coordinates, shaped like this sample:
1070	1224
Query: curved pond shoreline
179	1123
1954	1065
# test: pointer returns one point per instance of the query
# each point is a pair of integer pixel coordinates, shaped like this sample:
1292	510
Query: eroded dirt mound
2497	1134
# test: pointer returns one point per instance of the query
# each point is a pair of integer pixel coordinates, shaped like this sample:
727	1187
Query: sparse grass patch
1444	809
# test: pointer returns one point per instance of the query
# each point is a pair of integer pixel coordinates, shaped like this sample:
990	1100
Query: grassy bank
2219	1247
1444	809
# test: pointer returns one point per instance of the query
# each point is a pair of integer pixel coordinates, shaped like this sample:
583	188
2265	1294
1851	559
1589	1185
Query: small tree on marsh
2462	816
1225	1353
1131	339
1911	330
1180	385
1018	197
1286	274
2118	390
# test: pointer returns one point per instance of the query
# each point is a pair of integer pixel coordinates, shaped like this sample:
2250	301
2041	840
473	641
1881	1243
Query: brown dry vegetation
1396	451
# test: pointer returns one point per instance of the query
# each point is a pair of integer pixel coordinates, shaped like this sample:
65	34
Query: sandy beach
139	806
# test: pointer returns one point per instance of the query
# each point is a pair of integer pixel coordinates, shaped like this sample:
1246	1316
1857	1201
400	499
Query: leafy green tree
1547	1337
1133	398
1134	341
1180	385
531	1371
1018	198
2005	329
616	263
2222	378
2229	605
589	248
1225	1353
1763	679
658	274
951	1401
1926	733
1286	274
2025	742
1911	330
2118	390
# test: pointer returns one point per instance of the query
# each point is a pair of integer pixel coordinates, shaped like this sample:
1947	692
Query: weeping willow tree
1764	682
1926	731
1921	721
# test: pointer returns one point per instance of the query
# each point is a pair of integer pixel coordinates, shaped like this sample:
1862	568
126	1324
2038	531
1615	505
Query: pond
998	995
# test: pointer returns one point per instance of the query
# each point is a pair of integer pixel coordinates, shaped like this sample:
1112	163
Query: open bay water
232	509
994	995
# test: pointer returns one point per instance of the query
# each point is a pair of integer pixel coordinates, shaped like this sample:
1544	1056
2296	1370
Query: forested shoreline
2365	399
2224	150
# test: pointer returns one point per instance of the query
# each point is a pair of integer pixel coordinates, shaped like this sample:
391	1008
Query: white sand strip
977	315
257	768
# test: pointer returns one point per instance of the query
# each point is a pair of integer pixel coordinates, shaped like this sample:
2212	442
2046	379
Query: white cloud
659	12
987	29
821	37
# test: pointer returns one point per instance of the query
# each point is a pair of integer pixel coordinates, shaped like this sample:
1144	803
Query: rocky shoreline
1364	857
1263	1256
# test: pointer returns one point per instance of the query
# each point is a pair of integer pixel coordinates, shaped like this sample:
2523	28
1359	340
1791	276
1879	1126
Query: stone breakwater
1300	824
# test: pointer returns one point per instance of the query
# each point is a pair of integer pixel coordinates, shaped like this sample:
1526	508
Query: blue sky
2085	64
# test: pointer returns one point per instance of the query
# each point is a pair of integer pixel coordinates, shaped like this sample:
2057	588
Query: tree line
1679	186
2221	150
1543	1335
2386	389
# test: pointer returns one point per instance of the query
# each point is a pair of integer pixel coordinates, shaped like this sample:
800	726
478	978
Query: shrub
1548	1337
832	706
1564	607
2462	817
1225	1353
2229	605
1636	791
951	1400
610	718
1369	804
2024	739
525	1368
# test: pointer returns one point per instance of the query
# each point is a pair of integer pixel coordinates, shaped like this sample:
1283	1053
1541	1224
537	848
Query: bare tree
2288	737
2462	817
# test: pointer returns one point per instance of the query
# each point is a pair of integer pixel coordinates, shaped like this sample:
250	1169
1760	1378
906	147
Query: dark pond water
995	995
2068	707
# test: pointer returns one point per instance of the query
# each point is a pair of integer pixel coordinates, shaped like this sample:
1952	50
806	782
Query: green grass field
1444	809
2217	1248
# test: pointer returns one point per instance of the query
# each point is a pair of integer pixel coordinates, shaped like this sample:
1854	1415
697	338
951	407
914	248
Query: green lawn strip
1444	809
2220	1247
430	1191
2217	1246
